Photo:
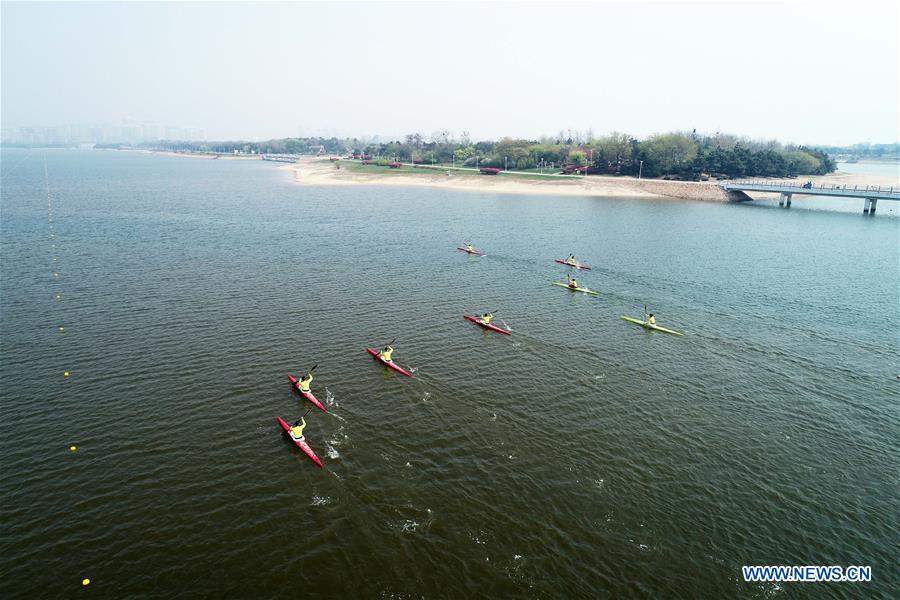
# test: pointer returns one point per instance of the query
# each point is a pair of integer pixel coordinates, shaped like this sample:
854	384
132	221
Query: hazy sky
819	72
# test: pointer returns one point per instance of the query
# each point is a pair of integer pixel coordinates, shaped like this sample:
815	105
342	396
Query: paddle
313	369
490	313
297	422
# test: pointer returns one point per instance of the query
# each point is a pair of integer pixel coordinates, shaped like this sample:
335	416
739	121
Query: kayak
577	266
475	252
566	285
301	443
647	325
388	364
308	395
486	325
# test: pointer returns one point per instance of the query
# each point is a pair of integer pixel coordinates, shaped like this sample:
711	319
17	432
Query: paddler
386	353
651	320
571	260
572	283
304	382
470	248
297	428
486	318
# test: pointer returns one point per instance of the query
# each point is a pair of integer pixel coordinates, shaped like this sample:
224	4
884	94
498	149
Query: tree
672	152
613	149
801	163
461	155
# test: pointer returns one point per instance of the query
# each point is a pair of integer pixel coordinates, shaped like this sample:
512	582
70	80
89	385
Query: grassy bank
431	170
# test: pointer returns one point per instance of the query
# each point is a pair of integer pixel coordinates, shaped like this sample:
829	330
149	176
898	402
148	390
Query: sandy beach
316	171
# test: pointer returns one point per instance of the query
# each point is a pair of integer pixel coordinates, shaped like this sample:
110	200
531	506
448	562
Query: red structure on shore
489	170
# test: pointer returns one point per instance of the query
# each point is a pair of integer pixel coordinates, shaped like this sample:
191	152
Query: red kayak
308	395
388	364
562	262
486	325
301	443
475	252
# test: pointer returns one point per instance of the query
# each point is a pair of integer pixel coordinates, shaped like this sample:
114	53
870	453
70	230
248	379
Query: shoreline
319	172
322	172
206	155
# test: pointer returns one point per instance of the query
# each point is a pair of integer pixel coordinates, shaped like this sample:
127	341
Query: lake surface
580	457
880	169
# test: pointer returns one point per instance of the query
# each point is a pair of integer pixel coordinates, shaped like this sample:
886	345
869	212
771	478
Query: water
879	169
580	457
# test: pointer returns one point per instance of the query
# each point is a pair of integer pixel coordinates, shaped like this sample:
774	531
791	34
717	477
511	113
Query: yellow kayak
647	325
578	289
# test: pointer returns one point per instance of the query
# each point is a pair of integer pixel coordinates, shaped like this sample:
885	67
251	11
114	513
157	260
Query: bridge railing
822	186
282	157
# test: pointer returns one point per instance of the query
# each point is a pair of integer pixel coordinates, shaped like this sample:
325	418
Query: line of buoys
61	328
58	296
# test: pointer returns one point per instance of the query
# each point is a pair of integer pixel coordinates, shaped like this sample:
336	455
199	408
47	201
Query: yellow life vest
386	353
651	320
487	318
297	430
573	283
305	381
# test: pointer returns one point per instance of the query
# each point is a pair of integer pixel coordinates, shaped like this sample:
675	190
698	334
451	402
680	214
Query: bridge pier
785	191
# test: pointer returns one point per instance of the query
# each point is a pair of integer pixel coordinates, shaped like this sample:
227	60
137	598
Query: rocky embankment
687	190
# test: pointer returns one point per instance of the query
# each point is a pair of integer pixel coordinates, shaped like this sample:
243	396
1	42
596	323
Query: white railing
793	187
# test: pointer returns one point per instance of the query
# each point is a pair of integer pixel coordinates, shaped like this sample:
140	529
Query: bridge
288	158
871	193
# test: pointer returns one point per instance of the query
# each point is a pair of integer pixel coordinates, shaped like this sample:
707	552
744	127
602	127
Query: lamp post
505	163
640	169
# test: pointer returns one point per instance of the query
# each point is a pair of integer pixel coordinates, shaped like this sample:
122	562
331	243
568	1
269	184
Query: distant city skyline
822	73
129	131
139	132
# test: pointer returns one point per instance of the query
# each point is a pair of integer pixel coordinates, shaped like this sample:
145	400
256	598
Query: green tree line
679	155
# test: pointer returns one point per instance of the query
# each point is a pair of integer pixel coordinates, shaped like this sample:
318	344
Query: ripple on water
767	429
